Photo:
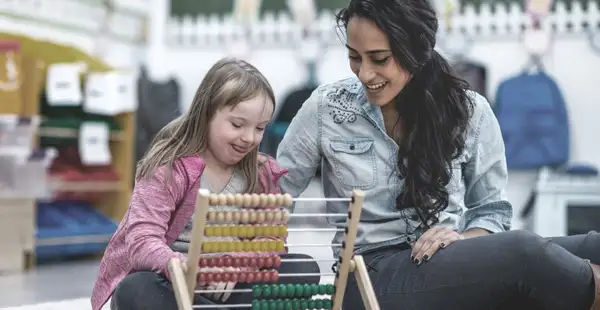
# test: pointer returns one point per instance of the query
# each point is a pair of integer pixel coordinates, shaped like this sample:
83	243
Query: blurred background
85	85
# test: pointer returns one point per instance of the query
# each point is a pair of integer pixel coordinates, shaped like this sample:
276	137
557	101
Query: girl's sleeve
152	206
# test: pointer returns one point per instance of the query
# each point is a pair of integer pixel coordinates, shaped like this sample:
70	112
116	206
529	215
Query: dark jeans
149	290
509	270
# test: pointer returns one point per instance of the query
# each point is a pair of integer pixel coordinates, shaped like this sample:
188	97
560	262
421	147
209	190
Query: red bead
202	277
242	277
210	277
258	276
210	262
261	262
234	277
245	262
203	262
220	262
268	262
227	262
237	262
276	261
253	262
225	277
274	275
250	277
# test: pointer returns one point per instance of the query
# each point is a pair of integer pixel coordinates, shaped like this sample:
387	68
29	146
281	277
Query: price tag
62	84
94	149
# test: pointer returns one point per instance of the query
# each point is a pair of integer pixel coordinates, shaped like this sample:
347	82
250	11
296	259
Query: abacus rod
315	229
221	306
316	274
321	199
318	215
311	245
239	290
304	260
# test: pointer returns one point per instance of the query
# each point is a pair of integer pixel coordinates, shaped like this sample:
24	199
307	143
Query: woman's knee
523	245
306	264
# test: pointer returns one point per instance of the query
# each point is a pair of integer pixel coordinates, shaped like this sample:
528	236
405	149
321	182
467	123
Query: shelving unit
113	202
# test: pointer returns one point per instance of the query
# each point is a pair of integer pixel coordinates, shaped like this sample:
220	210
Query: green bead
256	291
327	304
303	304
279	304
256	305
287	305
272	305
291	290
264	304
267	291
311	304
319	304
275	290
314	289
322	289
283	290
330	289
296	304
299	290
307	290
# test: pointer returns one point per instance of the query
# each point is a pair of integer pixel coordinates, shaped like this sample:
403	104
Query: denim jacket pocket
354	162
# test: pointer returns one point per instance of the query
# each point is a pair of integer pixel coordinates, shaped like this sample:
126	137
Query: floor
74	280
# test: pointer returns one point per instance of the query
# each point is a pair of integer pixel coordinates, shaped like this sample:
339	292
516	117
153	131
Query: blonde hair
229	82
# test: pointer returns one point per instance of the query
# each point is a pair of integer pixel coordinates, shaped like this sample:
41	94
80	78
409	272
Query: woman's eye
236	125
380	61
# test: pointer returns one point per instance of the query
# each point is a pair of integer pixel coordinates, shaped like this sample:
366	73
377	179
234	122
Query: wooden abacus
255	209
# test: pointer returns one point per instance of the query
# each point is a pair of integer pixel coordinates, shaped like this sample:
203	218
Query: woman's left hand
431	241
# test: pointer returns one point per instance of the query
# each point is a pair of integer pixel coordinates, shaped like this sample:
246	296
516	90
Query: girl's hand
431	241
213	286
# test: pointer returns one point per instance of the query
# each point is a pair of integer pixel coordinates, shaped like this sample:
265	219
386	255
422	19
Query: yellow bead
282	230
280	246
247	245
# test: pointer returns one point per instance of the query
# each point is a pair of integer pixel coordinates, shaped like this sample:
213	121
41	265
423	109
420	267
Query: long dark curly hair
434	105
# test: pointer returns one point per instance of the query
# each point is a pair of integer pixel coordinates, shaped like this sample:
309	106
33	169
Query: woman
429	156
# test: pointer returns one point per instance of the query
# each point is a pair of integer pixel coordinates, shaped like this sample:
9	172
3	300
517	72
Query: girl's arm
152	206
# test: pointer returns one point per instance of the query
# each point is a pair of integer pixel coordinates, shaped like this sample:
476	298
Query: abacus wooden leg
195	247
341	278
364	284
176	270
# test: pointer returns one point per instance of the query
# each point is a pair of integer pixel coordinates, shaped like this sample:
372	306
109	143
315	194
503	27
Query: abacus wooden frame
184	276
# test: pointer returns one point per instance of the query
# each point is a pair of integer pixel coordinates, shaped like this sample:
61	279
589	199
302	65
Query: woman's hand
431	241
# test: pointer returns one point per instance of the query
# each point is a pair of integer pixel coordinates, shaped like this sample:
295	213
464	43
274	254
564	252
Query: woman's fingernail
443	245
416	261
425	257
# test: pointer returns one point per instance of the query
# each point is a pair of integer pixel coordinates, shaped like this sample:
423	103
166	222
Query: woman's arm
152	205
300	150
485	176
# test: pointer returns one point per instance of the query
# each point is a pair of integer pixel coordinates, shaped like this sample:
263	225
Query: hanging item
110	93
534	121
10	77
246	11
94	148
63	86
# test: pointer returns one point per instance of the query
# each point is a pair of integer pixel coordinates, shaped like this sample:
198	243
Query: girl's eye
355	58
236	125
260	129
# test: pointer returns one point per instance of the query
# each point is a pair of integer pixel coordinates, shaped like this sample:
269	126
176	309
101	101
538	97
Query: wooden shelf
55	132
59	185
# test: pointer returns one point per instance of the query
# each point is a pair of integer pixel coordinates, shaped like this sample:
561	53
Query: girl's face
372	61
235	131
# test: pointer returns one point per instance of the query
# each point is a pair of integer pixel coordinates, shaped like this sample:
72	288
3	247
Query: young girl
213	146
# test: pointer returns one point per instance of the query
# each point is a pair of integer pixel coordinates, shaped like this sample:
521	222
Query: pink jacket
142	239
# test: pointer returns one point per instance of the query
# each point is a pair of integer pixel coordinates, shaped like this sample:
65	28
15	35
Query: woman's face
372	61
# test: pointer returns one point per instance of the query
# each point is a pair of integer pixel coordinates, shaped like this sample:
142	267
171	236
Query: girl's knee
525	246
132	289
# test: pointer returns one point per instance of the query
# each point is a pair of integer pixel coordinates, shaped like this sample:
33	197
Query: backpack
534	121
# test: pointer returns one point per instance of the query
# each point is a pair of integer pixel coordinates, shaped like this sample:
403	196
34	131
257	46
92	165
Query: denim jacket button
352	147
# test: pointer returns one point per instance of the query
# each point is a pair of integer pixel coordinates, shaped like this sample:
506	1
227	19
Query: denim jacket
337	129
